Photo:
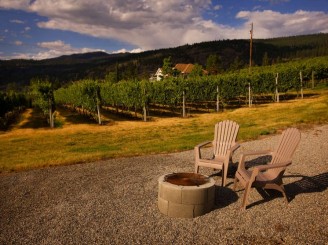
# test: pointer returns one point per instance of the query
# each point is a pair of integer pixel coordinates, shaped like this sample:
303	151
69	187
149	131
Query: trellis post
301	78
217	99
277	93
183	104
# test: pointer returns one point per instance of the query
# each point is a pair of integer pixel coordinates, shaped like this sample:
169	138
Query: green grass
30	144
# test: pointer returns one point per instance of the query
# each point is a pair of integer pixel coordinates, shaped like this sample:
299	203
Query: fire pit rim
210	182
186	179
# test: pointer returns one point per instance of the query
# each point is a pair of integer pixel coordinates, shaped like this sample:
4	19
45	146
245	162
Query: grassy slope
29	145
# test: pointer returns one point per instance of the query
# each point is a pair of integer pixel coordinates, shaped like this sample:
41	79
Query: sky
41	29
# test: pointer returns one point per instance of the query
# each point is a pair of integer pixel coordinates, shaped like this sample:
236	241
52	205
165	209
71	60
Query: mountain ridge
234	54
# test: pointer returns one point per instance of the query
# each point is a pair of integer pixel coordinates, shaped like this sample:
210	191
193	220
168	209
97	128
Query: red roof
184	68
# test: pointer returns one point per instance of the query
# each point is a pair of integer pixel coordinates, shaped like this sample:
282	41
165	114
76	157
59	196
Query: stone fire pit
185	195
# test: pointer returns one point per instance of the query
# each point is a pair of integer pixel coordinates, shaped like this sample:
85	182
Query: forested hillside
233	55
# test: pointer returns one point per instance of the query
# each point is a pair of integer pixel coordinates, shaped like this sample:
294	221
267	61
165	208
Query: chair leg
196	168
235	183
281	189
246	193
224	175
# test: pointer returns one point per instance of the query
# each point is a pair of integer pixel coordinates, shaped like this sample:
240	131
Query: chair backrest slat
287	145
225	135
285	149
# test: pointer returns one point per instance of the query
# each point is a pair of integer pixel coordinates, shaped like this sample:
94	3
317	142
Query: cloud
269	24
18	43
50	50
58	48
152	24
137	50
217	7
146	24
17	21
15	4
275	1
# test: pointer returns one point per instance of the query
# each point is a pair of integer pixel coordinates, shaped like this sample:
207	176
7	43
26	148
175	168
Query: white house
158	76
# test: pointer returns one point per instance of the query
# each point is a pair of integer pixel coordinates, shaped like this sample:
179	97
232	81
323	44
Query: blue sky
40	29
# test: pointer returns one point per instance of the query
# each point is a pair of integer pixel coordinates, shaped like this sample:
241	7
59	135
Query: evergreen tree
213	64
197	70
265	59
167	66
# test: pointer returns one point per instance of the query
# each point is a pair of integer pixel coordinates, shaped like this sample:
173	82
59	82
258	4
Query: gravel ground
115	202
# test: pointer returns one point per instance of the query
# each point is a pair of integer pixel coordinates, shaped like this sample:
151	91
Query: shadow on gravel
317	183
224	197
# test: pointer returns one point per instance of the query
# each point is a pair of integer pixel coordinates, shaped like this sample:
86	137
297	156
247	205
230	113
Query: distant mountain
234	54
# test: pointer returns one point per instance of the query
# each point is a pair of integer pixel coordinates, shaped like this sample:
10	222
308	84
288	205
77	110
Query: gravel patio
115	202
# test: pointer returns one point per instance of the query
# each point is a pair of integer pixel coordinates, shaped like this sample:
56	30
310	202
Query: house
185	69
158	76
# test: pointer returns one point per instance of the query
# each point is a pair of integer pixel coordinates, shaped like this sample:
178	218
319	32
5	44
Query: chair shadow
224	197
308	184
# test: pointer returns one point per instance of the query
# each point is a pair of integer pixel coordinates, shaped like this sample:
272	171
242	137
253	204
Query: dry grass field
31	144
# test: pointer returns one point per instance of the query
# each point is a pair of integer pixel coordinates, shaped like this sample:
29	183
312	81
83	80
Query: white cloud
17	21
146	24
217	7
18	43
152	24
275	1
137	50
269	24
15	4
50	50
58	48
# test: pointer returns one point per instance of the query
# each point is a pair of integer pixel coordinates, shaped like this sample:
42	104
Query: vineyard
11	104
173	95
178	94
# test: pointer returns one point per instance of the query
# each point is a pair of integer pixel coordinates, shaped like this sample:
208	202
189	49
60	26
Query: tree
213	64
42	94
167	66
265	59
197	70
236	64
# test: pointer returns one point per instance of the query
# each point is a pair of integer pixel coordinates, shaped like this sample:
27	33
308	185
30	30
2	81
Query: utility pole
251	48
250	65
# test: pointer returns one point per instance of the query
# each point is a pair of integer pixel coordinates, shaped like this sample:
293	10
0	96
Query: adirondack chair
223	145
268	176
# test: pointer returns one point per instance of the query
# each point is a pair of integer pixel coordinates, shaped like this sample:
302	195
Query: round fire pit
185	195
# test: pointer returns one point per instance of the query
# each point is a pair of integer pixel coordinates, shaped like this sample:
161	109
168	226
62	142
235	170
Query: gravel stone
115	202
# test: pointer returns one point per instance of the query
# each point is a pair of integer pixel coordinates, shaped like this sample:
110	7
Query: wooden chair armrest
253	153
234	147
203	144
197	150
271	166
243	156
261	168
